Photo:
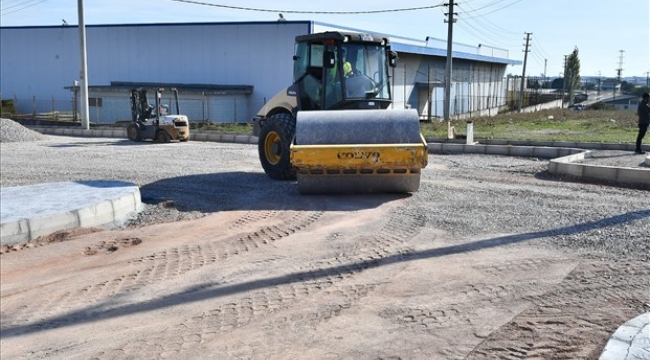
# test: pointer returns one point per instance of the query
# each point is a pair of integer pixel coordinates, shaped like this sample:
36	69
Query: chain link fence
112	110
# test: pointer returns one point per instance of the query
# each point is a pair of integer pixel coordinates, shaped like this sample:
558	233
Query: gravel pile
473	199
11	131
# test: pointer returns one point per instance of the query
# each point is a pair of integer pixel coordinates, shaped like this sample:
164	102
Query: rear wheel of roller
274	146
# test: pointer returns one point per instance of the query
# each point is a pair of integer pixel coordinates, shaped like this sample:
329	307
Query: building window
95	102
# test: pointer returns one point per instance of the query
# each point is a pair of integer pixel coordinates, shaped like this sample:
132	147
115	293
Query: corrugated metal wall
37	63
475	85
40	62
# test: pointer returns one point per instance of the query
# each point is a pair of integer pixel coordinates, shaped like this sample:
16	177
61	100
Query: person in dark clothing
644	120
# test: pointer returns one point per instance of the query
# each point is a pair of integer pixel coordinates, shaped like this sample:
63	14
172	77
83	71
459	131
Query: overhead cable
309	12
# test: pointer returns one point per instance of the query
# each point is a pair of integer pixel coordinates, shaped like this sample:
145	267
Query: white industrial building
224	71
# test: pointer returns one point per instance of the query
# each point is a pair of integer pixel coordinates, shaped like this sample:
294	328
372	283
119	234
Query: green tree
626	87
638	91
572	73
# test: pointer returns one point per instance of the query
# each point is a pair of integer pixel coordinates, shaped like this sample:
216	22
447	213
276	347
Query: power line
23	4
489	26
544	53
478	16
487	41
494	3
309	12
5	2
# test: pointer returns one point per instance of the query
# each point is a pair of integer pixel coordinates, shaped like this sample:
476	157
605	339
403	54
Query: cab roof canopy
340	36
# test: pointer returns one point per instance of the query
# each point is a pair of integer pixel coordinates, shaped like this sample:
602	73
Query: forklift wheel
133	133
163	137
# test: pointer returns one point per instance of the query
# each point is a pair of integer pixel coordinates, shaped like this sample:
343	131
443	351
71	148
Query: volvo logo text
360	155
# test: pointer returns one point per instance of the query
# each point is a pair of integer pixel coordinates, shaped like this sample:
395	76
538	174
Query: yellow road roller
332	129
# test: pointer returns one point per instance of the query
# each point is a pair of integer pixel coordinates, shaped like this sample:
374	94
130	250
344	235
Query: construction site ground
492	259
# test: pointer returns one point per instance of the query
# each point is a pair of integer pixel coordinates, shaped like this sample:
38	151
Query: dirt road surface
492	259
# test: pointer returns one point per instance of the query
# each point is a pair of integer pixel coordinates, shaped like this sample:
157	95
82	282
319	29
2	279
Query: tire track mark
161	266
318	278
594	299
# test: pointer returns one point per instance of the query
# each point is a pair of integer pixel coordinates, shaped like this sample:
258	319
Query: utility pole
619	71
599	84
545	63
450	31
523	72
564	81
83	73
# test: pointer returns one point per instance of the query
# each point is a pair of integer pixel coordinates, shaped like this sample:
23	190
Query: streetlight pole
83	74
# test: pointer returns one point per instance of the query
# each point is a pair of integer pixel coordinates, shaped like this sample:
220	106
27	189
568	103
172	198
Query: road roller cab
332	129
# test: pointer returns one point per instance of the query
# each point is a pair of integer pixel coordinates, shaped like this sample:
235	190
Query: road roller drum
352	151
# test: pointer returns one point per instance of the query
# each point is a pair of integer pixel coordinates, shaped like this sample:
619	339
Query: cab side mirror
392	59
329	60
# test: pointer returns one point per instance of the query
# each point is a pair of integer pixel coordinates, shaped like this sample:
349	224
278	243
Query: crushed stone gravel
497	198
11	131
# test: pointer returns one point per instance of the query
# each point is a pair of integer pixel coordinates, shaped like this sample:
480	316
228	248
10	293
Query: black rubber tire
163	137
133	133
274	146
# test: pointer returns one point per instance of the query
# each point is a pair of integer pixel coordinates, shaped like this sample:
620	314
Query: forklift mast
141	110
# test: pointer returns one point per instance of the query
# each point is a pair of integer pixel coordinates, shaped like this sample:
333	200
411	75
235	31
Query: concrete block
545	152
498	150
447	148
612	146
228	138
121	133
519	143
566	151
58	131
475	149
68	132
47	224
434	148
573	157
14	232
570	169
242	139
615	350
601	172
563	144
199	136
126	204
452	148
523	151
634	176
97	215
215	137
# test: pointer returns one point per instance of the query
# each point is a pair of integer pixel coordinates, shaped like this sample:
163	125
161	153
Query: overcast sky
609	34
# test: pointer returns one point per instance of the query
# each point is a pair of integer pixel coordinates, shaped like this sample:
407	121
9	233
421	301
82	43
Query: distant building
624	102
610	84
224	72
